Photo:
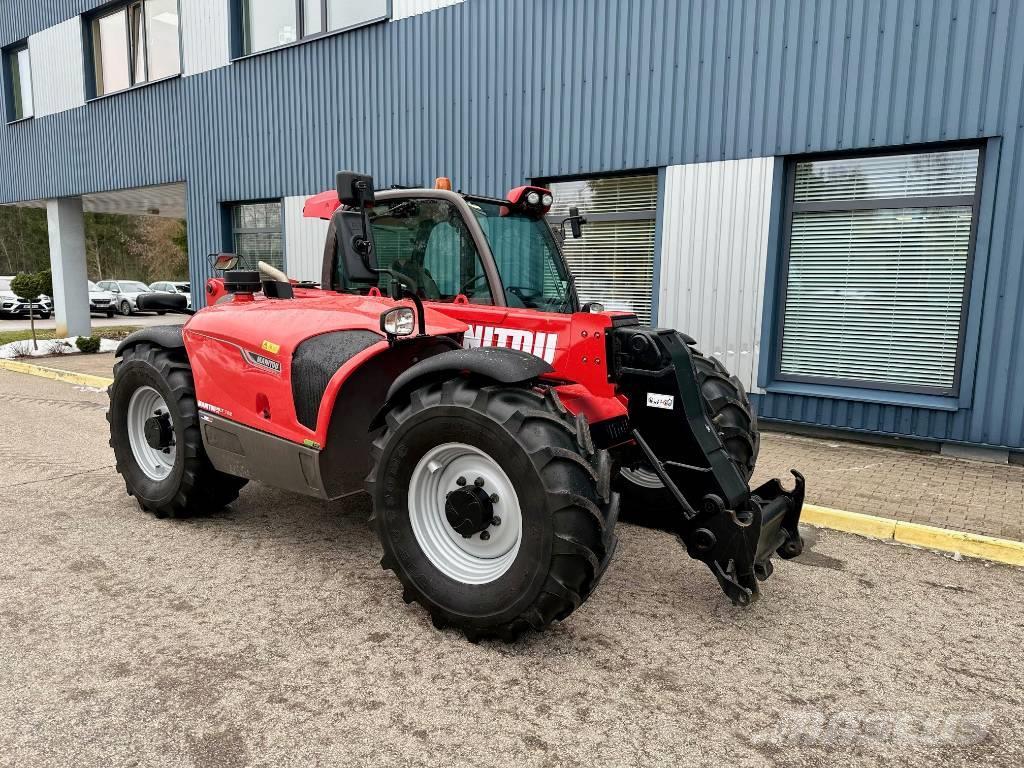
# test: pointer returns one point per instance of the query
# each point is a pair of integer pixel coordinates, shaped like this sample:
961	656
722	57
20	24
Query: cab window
428	242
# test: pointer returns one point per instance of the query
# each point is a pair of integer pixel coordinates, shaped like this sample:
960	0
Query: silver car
101	302
10	304
126	293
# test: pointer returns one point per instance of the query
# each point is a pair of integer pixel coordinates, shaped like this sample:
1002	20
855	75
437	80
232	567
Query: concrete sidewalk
903	484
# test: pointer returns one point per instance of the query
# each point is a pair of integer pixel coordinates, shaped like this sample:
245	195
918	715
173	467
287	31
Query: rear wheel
644	497
492	506
154	431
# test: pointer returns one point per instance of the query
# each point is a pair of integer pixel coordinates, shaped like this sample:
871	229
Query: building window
134	44
879	251
613	263
256	233
267	24
18	77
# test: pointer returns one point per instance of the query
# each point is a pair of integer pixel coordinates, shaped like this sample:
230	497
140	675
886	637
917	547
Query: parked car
165	286
125	294
10	304
101	302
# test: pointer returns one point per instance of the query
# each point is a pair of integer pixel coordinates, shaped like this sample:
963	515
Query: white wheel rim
153	462
643	477
472	560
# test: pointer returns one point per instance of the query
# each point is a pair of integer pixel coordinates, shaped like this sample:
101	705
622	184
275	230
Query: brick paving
899	483
904	484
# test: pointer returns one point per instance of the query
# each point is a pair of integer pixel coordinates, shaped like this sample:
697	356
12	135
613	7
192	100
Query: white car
10	304
125	292
101	302
165	286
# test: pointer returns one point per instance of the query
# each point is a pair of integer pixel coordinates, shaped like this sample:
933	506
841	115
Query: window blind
876	294
614	260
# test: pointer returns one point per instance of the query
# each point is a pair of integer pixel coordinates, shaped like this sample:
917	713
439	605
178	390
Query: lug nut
484	535
495	521
494	498
479	482
461	481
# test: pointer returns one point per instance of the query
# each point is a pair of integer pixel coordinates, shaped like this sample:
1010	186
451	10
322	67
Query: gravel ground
268	636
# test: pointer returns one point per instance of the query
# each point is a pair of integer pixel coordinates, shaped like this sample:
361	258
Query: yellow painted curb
927	536
71	377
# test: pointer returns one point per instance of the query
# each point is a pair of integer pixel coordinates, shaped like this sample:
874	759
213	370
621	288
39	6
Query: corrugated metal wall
401	9
303	241
492	92
57	76
714	248
205	36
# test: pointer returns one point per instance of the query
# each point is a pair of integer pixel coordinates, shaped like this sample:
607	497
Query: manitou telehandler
445	366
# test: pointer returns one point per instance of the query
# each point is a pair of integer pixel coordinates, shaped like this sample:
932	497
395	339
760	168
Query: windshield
526	255
93	286
134	288
5	285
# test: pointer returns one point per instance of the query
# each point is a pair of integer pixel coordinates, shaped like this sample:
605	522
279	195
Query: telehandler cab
445	365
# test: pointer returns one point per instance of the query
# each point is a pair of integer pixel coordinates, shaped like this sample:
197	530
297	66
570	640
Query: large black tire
193	486
568	509
644	498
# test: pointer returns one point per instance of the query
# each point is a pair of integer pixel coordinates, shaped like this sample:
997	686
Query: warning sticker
654	400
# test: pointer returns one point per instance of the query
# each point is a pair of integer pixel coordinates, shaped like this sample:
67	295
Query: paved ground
268	636
905	484
98	321
901	483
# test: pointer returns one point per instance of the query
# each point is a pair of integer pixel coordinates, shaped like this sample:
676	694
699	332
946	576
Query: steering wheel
525	294
471	282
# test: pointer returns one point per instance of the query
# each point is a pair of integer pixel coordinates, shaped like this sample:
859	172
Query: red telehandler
444	364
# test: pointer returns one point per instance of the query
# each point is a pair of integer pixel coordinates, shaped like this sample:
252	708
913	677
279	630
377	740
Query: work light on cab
535	200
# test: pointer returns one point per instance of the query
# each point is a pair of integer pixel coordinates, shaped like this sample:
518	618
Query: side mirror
576	223
355	189
224	262
354	246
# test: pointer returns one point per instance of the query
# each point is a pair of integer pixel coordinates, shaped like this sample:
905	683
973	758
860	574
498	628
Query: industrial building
825	194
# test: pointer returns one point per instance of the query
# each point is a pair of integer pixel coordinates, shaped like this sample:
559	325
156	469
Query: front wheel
645	498
492	506
154	431
125	308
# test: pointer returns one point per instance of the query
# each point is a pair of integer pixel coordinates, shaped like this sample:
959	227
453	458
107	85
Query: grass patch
115	332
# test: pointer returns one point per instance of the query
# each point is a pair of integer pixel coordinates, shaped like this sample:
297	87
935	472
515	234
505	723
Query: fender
507	366
166	336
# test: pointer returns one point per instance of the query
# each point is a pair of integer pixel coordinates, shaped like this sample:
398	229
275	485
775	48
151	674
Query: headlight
547	200
399	321
533	198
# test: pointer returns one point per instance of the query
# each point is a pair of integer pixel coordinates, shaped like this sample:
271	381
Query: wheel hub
465	513
158	431
469	510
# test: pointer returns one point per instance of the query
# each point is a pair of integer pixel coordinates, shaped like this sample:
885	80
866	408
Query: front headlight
399	321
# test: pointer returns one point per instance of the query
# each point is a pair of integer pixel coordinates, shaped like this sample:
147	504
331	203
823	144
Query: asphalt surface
98	321
268	636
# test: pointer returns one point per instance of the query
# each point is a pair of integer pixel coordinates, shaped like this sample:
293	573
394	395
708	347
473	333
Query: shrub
88	344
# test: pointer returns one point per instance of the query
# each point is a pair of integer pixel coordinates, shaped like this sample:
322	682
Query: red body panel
241	353
230	384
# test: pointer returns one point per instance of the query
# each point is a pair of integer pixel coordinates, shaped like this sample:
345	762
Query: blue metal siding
492	92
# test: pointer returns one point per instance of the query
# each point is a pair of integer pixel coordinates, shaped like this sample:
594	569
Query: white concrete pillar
67	261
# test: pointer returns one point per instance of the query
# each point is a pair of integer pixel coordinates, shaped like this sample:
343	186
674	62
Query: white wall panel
58	76
303	241
401	9
204	35
714	248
